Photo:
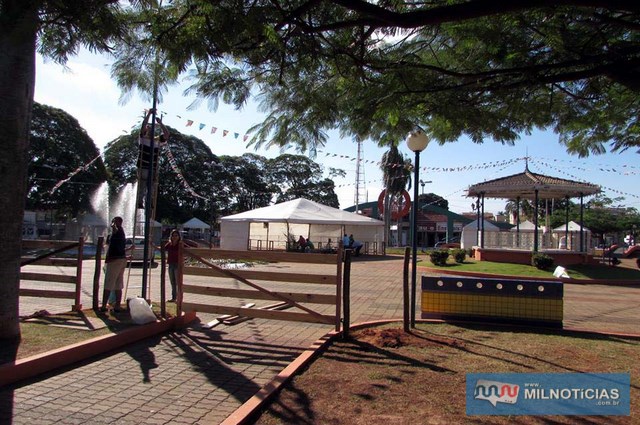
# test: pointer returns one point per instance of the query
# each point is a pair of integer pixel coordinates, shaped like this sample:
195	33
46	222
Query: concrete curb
244	413
44	362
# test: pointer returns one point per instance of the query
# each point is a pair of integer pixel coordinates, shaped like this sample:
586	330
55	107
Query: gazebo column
581	222
566	222
518	222
478	220
535	223
482	222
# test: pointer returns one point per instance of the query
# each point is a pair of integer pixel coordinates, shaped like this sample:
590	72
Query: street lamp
422	183
417	141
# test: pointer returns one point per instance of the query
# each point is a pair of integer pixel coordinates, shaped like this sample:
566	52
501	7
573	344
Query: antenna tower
361	191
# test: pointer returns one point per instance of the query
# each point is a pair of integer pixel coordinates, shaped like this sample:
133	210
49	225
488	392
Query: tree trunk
18	29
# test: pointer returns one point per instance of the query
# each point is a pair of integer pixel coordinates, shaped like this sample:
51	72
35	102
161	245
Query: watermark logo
548	394
496	392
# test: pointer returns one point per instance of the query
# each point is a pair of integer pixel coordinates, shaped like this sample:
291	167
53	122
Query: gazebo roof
524	185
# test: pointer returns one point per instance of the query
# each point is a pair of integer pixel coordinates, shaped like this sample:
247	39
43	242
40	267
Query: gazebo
534	187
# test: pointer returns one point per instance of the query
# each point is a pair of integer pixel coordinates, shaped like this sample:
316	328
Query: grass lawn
592	271
384	376
582	271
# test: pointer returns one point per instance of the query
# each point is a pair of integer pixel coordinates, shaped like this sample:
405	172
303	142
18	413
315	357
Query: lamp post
422	183
417	141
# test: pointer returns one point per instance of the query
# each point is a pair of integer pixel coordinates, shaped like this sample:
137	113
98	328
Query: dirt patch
396	338
384	375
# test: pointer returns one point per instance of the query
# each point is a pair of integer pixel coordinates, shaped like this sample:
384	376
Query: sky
85	90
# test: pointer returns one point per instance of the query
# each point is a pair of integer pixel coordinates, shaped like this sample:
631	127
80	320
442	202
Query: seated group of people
305	245
351	243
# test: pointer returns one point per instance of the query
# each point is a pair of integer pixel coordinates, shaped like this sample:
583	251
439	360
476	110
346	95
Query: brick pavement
201	376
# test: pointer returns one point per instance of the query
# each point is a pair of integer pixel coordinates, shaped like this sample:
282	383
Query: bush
439	257
542	261
459	255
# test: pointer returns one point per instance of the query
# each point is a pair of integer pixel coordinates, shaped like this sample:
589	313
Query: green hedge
439	257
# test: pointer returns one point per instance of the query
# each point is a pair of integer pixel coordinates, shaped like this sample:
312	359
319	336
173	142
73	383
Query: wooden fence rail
46	258
259	285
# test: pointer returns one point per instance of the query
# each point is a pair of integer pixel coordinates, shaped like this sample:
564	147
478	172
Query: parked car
138	253
453	243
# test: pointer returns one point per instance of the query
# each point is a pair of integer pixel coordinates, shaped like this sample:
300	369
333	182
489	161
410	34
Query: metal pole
148	208
414	241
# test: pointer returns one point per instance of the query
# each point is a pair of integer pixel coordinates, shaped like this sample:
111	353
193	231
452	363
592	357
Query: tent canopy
303	211
195	223
525	225
573	227
275	226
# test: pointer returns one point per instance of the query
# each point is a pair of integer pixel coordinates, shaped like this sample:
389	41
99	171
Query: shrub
459	255
542	261
439	257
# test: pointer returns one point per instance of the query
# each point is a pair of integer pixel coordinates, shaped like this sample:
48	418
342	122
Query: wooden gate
263	276
53	285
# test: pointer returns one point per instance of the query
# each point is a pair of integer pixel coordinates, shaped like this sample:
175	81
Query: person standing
173	260
346	242
147	158
115	263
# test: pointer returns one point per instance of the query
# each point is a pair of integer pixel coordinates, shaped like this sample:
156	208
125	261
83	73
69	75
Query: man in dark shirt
115	263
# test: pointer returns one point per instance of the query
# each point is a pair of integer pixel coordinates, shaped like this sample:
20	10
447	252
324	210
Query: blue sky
85	90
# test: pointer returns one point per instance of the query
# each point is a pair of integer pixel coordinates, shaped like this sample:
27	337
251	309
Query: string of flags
214	129
176	170
72	174
503	164
560	170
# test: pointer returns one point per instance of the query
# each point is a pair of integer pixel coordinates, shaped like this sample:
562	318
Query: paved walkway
201	376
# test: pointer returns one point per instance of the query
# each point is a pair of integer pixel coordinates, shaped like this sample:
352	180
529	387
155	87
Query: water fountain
123	204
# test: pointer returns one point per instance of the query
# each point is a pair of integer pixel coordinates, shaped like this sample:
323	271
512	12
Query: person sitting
310	246
302	243
328	248
357	246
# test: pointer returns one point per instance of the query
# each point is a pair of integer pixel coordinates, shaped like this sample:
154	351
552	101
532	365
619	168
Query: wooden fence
262	283
49	249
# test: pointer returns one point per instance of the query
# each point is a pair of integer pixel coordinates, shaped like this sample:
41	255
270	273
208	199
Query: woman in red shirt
172	247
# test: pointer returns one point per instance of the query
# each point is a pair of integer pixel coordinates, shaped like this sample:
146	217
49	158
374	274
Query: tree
247	187
433	199
56	29
455	68
59	147
297	176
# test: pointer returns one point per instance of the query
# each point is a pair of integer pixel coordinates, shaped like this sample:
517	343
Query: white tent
271	227
195	223
573	242
573	227
195	229
526	226
469	237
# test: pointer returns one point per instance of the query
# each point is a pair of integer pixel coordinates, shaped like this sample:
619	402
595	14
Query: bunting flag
236	135
214	129
246	136
189	123
225	132
176	169
201	126
84	167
